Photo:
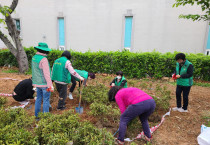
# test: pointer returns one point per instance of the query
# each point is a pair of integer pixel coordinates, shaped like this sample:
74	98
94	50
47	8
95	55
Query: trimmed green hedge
138	65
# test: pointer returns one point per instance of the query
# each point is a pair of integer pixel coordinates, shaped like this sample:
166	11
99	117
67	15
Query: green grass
10	71
202	84
29	72
208	124
206	117
194	84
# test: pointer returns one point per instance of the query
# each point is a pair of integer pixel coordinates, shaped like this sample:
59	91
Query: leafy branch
195	17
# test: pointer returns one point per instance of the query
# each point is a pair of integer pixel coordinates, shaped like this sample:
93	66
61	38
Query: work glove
81	79
112	84
50	89
174	77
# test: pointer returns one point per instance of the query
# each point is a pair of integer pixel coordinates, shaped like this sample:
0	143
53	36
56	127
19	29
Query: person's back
41	78
62	74
24	90
82	73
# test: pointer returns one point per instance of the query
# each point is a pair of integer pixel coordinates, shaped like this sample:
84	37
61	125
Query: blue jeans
42	93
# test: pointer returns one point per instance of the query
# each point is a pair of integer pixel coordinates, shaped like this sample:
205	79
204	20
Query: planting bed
179	128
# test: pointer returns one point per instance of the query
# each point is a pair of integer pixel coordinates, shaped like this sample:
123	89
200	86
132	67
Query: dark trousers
19	98
143	109
186	91
62	90
74	83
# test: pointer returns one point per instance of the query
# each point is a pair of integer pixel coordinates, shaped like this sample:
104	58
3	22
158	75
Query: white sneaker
70	96
182	110
176	108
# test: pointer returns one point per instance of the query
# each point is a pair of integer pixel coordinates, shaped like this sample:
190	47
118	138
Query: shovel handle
80	93
116	132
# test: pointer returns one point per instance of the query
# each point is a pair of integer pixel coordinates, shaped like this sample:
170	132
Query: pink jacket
129	96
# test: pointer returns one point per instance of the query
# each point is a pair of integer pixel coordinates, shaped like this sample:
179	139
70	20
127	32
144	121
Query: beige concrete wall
99	25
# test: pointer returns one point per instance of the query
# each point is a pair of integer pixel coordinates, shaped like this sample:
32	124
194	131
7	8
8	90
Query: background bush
136	65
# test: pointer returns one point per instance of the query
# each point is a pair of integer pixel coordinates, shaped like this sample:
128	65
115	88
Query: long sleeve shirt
44	65
129	96
189	71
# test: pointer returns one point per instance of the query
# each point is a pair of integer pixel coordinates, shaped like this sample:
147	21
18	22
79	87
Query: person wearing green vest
119	80
86	75
61	75
184	77
41	77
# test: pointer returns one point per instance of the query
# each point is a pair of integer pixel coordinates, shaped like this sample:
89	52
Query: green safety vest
184	81
60	73
119	83
82	73
37	73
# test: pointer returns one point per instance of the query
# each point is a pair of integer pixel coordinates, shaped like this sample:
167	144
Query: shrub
162	102
3	100
138	65
97	93
13	127
59	129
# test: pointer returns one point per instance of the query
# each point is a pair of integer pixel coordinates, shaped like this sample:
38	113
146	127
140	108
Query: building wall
99	25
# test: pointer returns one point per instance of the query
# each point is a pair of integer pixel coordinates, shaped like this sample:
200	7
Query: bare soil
179	128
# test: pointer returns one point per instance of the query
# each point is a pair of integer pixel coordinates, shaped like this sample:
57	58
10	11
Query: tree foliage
204	4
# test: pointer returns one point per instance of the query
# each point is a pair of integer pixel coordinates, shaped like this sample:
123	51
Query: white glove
81	79
34	89
52	88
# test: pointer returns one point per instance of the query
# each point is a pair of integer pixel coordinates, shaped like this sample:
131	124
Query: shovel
116	132
80	108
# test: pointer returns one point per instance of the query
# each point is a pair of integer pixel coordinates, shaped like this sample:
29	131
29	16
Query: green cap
43	46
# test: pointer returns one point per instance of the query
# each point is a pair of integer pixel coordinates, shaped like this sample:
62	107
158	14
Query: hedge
133	65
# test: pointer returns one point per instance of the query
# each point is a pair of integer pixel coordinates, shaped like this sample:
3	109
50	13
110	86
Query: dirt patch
179	128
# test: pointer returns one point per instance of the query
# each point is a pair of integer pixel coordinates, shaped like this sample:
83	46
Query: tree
195	17
16	47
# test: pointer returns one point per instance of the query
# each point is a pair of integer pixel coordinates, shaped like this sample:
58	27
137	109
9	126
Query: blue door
208	41
128	31
61	31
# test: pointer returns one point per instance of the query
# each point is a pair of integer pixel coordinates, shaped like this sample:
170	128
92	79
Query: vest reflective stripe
184	81
60	73
37	73
119	83
82	73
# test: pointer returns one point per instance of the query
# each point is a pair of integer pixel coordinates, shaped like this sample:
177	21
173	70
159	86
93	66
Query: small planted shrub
3	101
59	129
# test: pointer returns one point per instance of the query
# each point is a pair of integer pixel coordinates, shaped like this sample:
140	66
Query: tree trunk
22	61
17	50
15	35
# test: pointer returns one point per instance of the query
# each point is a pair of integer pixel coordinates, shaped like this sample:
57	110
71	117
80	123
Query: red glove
50	89
174	77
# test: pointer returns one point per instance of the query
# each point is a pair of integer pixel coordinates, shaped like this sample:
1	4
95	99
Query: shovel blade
79	110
